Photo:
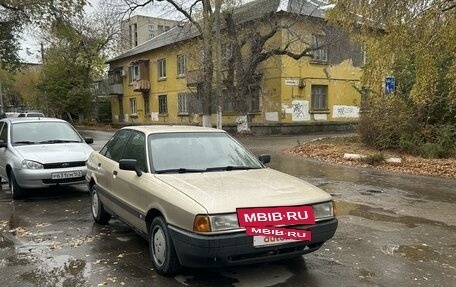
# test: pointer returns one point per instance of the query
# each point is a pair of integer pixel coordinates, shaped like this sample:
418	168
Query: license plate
262	241
66	174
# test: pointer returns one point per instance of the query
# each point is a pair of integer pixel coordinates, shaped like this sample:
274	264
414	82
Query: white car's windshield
187	152
40	132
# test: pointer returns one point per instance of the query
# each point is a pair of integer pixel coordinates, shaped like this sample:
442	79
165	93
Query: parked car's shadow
66	191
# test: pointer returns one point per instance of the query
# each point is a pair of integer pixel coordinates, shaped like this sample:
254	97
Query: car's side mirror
3	144
88	140
265	158
130	164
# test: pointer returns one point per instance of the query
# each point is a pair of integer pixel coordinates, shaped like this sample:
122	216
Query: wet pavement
394	230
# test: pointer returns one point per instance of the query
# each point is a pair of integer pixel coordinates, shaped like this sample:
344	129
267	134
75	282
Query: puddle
5	243
59	271
417	253
365	274
379	214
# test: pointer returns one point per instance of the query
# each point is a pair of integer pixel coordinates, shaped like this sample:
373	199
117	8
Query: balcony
141	86
115	89
194	78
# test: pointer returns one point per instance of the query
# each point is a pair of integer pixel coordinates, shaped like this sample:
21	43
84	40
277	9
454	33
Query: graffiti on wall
345	111
300	111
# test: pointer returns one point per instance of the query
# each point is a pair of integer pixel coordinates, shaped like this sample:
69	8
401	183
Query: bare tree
200	14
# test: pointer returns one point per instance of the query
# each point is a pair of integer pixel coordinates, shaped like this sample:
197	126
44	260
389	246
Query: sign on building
390	85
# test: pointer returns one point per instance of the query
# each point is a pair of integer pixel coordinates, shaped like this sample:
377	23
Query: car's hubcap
94	203
159	246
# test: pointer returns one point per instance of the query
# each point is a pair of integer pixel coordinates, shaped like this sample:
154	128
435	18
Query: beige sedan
202	199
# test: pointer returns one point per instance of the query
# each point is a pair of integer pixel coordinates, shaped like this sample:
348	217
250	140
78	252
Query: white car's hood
221	192
50	153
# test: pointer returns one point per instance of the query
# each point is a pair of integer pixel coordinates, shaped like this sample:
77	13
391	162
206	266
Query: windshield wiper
179	170
230	167
58	141
24	142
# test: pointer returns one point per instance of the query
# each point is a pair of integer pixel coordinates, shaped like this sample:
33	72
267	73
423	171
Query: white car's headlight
324	210
30	164
215	223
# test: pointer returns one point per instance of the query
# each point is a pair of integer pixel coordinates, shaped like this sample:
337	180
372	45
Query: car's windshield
190	152
43	132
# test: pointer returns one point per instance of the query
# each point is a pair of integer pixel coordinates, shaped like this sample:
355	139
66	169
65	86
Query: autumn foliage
414	41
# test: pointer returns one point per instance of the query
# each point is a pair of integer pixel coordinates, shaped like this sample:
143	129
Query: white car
41	152
203	200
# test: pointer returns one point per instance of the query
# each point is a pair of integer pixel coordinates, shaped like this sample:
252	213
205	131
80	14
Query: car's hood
221	192
50	153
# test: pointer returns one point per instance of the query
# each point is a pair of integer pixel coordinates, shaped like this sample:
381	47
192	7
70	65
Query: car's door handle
114	172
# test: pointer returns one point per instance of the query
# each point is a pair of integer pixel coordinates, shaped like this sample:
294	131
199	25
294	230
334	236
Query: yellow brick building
157	82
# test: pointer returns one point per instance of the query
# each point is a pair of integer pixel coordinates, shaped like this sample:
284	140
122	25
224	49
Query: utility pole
218	64
45	93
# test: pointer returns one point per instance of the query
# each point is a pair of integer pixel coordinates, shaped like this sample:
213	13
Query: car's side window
115	146
4	132
136	149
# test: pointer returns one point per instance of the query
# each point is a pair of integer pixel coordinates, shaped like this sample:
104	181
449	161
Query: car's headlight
30	164
215	223
324	210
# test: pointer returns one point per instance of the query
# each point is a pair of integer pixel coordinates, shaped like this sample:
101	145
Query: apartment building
158	82
139	29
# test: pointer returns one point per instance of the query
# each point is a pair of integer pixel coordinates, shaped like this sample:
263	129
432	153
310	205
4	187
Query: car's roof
31	119
151	129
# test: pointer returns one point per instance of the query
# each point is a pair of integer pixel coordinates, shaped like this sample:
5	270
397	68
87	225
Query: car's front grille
65	180
63	164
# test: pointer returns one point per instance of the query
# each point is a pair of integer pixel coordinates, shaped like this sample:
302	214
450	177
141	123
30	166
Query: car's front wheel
17	191
99	214
162	250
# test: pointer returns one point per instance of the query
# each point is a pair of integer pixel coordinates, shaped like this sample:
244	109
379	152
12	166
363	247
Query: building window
319	97
115	77
134	35
364	51
162	68
133	106
160	29
162	104
151	27
146	105
227	101
226	54
181	65
321	52
254	98
182	102
133	73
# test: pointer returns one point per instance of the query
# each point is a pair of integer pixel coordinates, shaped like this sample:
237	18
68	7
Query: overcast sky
30	42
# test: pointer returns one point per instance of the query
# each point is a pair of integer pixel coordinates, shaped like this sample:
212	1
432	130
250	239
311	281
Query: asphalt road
394	230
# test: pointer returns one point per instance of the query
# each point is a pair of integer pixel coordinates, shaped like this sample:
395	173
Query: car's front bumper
195	250
39	178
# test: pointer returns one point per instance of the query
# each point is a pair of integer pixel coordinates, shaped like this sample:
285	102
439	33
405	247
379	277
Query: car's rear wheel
162	250
17	191
99	214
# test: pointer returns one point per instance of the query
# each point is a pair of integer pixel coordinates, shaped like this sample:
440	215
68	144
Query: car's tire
99	214
17	191
162	252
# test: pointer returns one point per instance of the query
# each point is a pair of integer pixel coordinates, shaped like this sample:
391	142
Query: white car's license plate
66	174
262	241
